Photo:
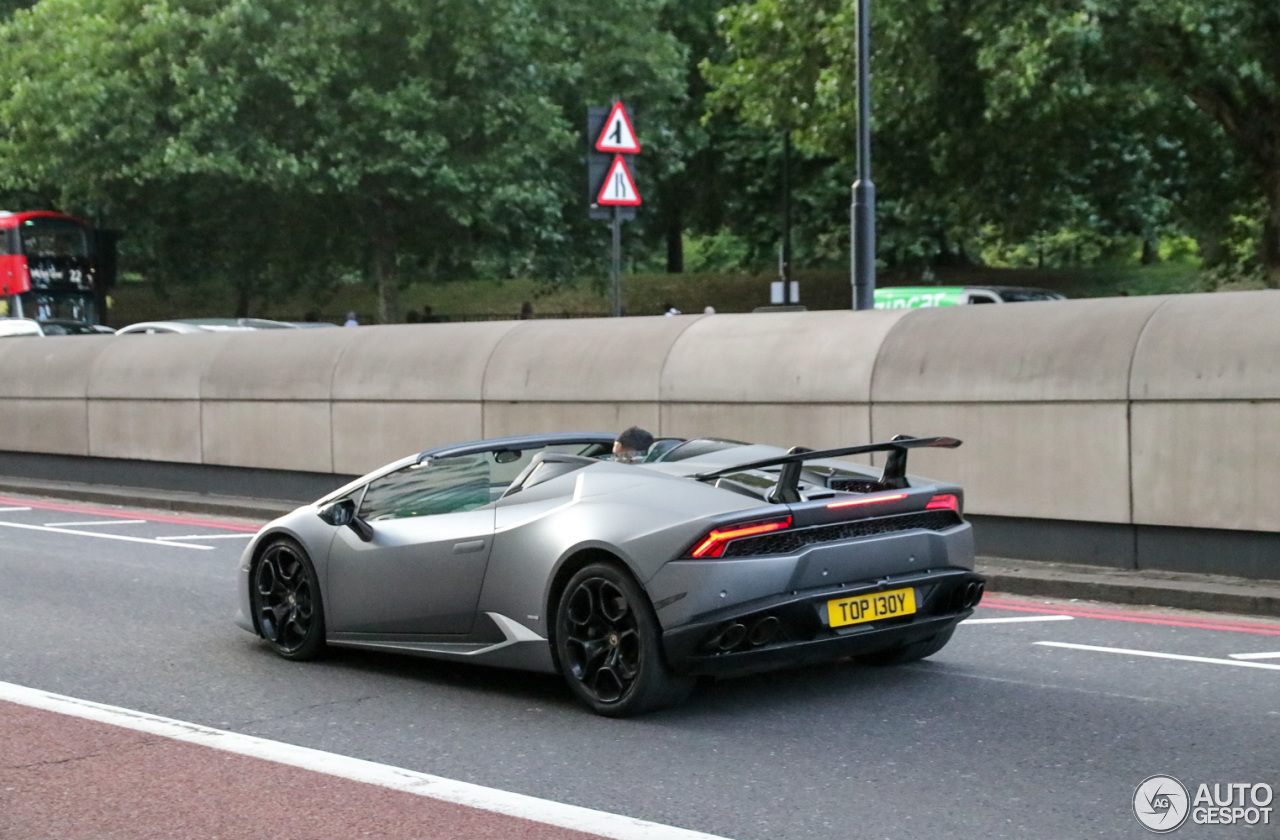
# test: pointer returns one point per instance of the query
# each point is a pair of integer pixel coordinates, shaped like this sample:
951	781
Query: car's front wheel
609	646
284	592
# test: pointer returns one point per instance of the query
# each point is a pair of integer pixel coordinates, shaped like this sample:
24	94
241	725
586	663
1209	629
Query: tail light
947	501
714	543
870	500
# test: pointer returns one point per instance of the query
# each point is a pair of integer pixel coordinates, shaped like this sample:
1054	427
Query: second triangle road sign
618	189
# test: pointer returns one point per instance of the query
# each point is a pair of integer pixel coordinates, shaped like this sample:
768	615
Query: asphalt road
999	735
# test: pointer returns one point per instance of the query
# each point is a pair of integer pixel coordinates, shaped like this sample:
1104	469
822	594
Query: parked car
913	297
63	326
203	325
541	553
10	327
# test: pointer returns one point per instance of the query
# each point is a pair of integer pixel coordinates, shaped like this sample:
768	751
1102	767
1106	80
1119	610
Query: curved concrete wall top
779	357
276	365
1078	350
588	360
35	367
408	363
154	367
1211	347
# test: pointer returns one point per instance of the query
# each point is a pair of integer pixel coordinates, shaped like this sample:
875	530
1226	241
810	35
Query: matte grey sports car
541	553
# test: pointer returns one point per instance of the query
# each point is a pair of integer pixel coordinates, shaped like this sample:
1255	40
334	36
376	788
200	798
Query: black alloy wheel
285	595
609	645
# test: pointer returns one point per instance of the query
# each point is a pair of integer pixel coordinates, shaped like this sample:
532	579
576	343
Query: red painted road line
123	514
64	778
1000	603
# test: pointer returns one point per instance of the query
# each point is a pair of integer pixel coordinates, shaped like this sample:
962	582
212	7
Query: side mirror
343	512
339	513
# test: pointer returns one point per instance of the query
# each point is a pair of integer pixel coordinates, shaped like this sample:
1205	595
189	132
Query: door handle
468	547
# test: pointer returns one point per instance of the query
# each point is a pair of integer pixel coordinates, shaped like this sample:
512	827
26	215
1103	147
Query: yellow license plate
869	607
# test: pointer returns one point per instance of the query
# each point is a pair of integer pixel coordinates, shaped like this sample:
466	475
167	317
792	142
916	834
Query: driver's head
631	446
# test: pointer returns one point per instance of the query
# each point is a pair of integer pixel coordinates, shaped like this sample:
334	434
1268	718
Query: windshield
64	306
54	238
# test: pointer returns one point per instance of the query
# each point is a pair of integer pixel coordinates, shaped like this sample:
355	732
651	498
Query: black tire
910	652
284	593
609	646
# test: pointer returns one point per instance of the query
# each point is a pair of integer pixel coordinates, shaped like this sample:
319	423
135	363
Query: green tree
1026	118
1209	69
435	135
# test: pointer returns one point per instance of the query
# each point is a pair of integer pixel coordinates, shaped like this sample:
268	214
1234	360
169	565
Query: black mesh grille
855	485
786	542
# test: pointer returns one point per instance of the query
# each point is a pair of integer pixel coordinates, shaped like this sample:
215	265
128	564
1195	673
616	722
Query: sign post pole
863	227
611	189
617	263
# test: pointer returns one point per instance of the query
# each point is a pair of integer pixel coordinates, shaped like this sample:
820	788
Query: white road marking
96	522
210	537
1178	656
102	536
1018	620
516	805
1273	655
13	509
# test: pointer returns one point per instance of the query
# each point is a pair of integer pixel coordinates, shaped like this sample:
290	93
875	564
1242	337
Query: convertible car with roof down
541	553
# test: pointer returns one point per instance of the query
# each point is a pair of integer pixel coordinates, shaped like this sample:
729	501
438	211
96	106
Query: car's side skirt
519	646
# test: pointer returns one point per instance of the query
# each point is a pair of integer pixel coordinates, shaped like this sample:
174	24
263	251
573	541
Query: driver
632	445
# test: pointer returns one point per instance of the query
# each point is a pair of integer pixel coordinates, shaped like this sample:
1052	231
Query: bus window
54	238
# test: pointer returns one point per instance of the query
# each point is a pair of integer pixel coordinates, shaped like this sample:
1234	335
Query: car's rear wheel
910	652
284	592
609	645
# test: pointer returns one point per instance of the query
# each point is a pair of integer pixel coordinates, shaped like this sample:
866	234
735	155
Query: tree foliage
1119	116
434	134
275	144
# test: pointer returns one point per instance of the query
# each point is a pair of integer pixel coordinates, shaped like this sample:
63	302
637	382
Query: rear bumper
793	629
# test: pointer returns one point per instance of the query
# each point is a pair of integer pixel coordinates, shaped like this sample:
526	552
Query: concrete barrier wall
1129	411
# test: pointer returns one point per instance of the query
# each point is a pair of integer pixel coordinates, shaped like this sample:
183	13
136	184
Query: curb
1175	590
185	502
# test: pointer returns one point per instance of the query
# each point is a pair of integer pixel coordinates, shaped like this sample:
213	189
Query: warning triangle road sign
618	189
618	136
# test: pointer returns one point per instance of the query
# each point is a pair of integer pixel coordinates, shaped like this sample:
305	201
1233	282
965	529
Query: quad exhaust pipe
762	631
731	637
967	597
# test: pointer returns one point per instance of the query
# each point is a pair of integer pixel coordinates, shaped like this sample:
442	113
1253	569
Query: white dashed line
1154	655
96	522
545	811
13	509
102	536
1019	620
1273	655
210	537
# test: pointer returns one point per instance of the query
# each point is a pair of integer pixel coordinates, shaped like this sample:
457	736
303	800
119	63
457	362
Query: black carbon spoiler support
787	489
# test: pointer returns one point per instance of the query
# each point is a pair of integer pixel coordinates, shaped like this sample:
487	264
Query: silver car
541	553
203	325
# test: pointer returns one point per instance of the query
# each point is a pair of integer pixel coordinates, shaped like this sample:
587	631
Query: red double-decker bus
50	267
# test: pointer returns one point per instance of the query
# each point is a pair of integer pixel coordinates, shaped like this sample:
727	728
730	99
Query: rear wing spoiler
787	491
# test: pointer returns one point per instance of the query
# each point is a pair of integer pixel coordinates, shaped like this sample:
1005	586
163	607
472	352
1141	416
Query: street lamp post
863	231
